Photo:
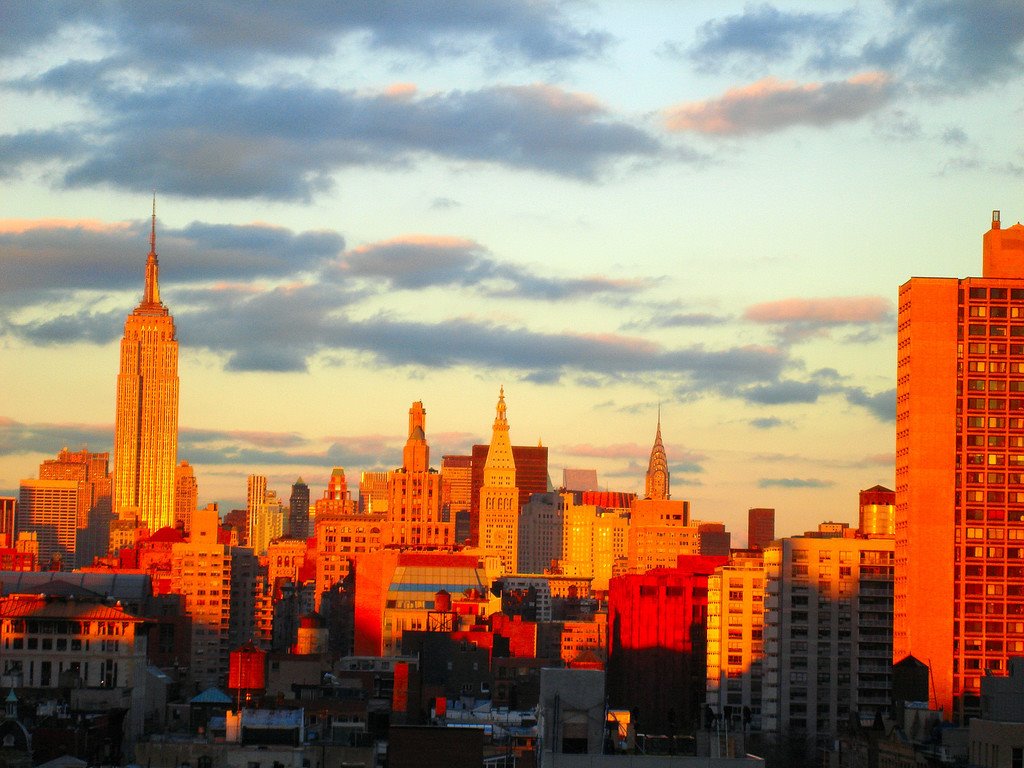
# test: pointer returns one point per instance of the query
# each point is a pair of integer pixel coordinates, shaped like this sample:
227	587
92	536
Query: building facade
827	632
499	496
146	416
959	600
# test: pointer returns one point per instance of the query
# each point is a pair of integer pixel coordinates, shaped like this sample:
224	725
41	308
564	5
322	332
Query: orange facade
959	591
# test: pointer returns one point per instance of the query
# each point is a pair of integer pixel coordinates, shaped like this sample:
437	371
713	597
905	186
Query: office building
373	492
186	496
457	493
531	477
49	509
266	523
146	417
579	479
760	527
959	601
499	496
414	493
7	507
298	511
92	474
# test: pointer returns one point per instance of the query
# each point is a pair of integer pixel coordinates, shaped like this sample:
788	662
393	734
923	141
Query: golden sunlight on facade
146	418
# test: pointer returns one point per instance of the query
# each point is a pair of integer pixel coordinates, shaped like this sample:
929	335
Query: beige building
828	631
201	573
49	509
414	493
735	649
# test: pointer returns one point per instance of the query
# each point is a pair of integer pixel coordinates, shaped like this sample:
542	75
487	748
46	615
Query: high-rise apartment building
146	418
827	632
499	496
959	597
266	523
414	493
736	637
760	527
201	573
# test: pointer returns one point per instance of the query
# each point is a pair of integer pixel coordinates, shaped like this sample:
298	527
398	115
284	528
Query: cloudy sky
603	206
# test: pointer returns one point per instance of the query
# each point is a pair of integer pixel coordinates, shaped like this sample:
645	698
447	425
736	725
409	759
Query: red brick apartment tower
959	590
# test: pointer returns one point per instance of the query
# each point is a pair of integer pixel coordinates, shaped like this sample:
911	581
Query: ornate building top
656	485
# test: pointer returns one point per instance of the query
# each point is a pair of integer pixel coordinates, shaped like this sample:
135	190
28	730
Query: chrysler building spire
656	485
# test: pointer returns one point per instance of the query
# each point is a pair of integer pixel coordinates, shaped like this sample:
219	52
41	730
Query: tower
146	418
414	492
499	496
656	483
958	603
298	510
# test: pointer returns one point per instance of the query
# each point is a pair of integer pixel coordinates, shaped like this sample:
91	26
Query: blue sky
602	206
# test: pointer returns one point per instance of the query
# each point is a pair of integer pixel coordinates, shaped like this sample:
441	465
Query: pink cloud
831	311
21	226
771	104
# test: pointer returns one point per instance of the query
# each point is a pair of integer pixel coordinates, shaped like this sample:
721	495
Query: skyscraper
760	527
959	590
499	496
656	482
146	419
298	510
414	492
186	495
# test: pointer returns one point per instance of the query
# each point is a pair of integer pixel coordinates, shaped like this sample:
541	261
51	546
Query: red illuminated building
657	635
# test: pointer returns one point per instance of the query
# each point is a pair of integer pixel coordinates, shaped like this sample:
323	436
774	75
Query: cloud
763	34
795	319
75	255
771	105
936	45
784	392
676	320
767	422
202	139
882	404
173	37
20	438
793	482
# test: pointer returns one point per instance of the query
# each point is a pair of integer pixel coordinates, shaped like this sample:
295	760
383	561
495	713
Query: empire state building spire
146	419
151	294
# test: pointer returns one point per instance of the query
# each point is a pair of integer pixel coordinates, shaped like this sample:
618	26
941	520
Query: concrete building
201	573
531	463
760	527
92	473
457	493
827	632
186	495
298	511
146	415
736	638
657	644
373	492
659	531
49	509
959	602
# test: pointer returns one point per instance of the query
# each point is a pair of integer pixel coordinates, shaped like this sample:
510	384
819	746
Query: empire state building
146	422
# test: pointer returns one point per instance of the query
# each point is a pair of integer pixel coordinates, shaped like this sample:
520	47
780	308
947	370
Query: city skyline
600	209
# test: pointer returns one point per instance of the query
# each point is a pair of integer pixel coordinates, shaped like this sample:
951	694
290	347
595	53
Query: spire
500	418
656	485
152	293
